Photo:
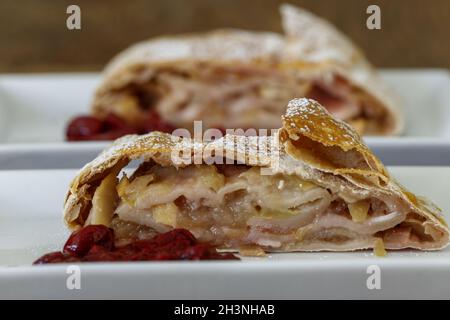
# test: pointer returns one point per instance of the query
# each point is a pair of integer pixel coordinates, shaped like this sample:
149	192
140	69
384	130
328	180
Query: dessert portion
241	79
317	187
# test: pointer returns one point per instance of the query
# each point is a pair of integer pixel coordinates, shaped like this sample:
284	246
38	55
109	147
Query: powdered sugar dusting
220	45
308	117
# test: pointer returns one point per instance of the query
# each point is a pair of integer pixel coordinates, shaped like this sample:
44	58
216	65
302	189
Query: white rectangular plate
31	224
36	108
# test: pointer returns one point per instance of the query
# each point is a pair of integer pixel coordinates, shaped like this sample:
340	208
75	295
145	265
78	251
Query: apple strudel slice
312	186
239	79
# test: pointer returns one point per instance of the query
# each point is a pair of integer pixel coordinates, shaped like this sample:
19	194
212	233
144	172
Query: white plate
31	224
36	108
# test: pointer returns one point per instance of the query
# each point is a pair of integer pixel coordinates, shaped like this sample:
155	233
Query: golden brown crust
307	118
339	146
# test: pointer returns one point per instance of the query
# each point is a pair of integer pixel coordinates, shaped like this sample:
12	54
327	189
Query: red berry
83	127
82	241
155	123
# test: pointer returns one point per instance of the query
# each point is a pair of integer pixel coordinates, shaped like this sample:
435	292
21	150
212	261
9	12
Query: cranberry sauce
96	243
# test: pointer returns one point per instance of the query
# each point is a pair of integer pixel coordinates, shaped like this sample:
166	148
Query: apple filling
237	97
235	206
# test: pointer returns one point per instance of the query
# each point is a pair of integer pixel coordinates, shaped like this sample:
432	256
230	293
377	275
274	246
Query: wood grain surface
34	37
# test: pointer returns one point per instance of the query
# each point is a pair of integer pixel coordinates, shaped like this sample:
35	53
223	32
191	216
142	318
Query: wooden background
34	37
